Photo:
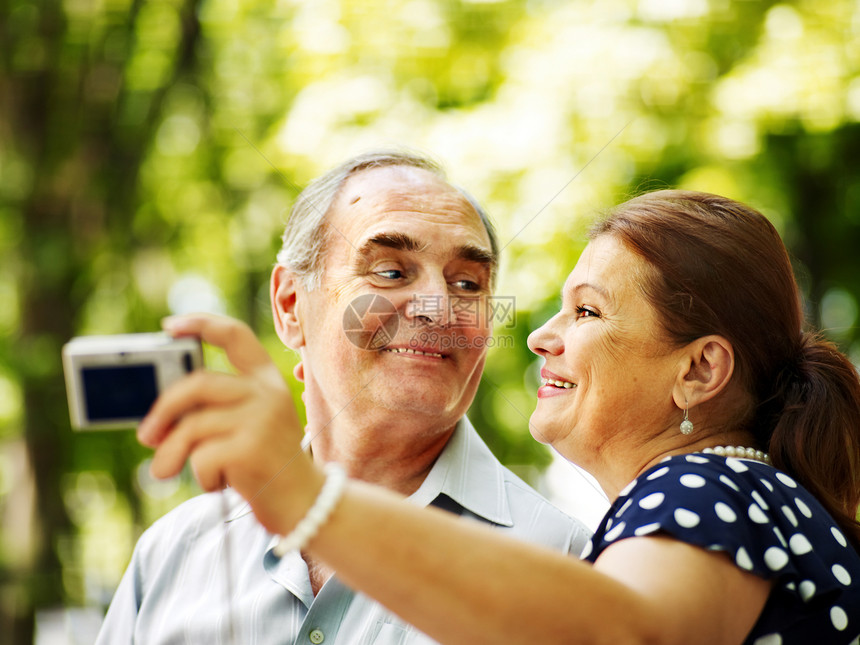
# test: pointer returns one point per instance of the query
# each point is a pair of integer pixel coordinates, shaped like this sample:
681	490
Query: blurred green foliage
149	150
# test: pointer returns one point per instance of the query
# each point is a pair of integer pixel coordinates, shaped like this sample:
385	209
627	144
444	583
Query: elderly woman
678	374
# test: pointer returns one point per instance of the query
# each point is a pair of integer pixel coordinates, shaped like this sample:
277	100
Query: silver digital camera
112	381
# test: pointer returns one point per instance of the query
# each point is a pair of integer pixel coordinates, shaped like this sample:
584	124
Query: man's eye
390	274
467	285
586	312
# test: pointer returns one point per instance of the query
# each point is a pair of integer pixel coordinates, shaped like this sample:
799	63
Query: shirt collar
467	472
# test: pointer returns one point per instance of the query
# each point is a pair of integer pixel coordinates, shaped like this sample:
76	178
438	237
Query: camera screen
119	392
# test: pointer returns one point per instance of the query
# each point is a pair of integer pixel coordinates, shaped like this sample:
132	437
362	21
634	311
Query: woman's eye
586	312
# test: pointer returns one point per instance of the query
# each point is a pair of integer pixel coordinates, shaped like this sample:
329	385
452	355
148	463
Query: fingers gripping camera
112	381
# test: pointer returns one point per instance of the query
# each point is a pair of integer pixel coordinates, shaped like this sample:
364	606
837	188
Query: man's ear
705	370
285	289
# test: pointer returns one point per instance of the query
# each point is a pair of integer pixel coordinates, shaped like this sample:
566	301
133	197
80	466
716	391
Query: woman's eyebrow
588	285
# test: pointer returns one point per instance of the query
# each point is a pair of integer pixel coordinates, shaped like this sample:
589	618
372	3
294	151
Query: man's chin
421	403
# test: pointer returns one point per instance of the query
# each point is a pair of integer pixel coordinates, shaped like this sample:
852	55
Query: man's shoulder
485	486
198	521
528	505
200	509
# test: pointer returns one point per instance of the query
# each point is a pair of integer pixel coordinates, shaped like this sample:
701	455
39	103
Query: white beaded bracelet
309	526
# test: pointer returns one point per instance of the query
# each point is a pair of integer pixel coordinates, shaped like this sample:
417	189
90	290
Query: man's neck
396	456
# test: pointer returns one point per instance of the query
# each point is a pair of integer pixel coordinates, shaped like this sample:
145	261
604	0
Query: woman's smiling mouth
556	383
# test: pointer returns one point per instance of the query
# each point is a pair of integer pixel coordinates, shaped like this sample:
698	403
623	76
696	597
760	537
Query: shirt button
316	636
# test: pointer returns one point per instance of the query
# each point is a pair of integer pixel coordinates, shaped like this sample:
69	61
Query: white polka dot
647	529
624	508
785	479
799	545
790	515
775	558
838	535
737	466
838	617
807	590
608	524
841	574
658	473
790	586
685	518
802	507
759	500
696	459
743	559
767	484
769	639
614	533
725	512
757	515
779	537
728	482
652	501
627	488
692	481
589	547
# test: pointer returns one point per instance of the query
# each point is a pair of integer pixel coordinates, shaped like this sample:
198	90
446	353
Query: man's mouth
555	383
416	352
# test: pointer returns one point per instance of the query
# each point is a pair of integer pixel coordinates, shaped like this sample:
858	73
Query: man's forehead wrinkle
405	190
401	210
447	203
396	186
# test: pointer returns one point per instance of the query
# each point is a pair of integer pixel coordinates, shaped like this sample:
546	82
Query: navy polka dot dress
767	523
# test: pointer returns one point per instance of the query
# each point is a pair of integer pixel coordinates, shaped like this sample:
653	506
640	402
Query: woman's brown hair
720	267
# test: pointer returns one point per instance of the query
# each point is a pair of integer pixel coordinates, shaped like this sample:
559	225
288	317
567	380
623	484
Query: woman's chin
540	432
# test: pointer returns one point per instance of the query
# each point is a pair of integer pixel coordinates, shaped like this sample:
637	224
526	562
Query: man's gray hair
305	234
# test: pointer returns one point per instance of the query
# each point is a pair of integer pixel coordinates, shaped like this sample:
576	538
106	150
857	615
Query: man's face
400	322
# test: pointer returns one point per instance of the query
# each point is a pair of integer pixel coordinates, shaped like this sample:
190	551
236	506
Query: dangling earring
686	424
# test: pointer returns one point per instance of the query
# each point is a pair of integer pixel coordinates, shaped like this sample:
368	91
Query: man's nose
431	304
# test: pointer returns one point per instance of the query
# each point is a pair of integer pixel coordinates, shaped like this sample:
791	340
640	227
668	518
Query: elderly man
381	286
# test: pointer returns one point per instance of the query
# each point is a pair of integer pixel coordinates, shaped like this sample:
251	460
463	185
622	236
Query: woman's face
609	369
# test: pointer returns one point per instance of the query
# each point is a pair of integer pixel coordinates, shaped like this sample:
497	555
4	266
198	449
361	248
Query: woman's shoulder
699	492
758	515
701	479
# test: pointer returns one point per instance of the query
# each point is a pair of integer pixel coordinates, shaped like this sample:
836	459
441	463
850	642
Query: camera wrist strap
228	567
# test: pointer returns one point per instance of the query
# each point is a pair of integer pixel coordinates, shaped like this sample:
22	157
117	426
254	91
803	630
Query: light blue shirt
175	589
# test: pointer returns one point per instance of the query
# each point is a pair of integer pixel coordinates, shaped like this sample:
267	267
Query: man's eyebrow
476	254
398	241
405	242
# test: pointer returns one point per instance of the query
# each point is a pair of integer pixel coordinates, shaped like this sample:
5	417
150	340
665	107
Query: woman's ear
285	290
706	369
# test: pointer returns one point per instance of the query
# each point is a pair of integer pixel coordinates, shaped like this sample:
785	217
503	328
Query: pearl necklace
739	452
